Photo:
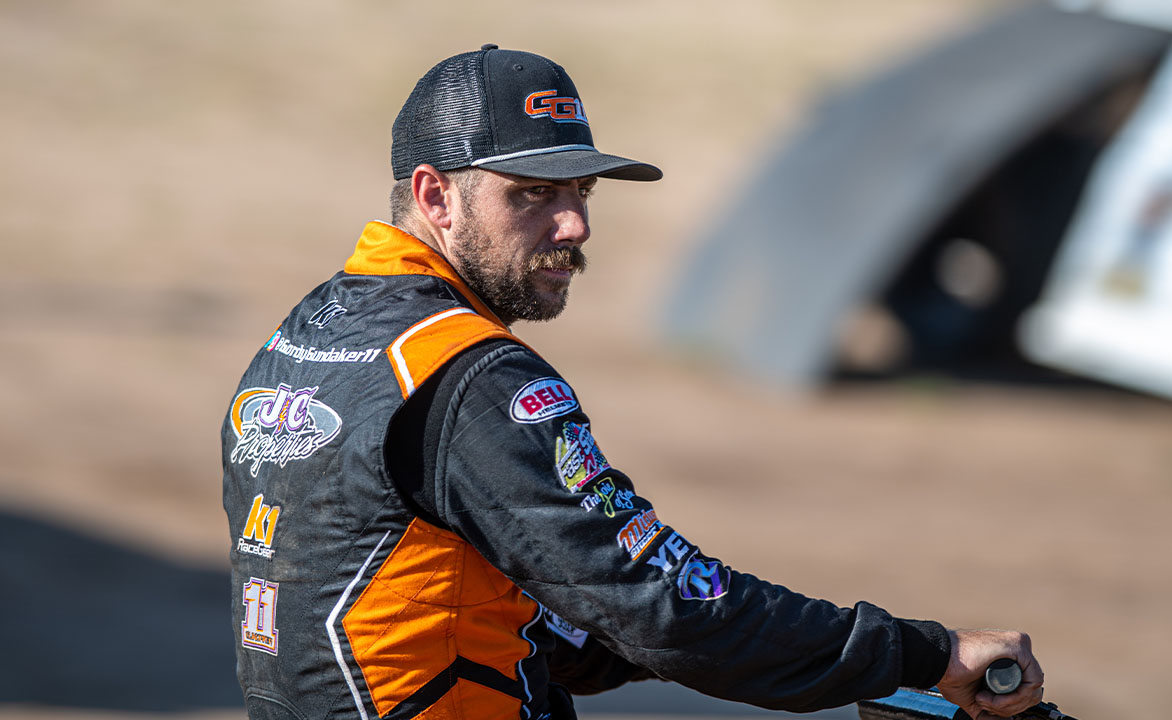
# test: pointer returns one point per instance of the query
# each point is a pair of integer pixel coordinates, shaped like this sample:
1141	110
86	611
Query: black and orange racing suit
424	527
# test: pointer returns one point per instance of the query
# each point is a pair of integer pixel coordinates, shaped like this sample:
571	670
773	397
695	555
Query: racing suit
425	527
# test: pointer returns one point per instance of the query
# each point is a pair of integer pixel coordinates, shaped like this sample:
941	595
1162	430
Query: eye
585	191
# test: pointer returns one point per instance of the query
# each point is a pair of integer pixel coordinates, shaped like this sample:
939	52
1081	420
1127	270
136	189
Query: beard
512	292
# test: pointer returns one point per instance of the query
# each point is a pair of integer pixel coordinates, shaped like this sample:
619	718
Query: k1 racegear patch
577	457
541	400
260	526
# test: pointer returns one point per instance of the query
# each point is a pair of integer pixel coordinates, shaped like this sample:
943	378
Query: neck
418	230
434	238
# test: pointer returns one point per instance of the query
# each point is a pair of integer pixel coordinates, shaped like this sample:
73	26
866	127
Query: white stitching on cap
539	151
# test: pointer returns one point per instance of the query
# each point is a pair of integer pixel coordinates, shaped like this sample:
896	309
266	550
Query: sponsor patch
577	457
280	426
559	108
670	553
703	579
606	494
261	524
259	629
565	630
313	354
325	314
542	400
273	340
637	534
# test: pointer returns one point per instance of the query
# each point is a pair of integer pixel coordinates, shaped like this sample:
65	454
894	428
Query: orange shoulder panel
428	344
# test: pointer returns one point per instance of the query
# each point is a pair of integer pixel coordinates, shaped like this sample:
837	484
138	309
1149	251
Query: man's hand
963	681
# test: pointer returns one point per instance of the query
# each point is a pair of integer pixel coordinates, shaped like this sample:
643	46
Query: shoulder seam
396	347
454	402
429	343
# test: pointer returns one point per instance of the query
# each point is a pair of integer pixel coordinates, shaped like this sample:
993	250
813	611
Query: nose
571	220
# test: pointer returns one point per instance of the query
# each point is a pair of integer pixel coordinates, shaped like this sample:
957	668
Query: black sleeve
578	661
519	474
592	668
414	434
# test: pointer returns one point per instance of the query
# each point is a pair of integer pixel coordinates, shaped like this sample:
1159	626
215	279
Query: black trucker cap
504	110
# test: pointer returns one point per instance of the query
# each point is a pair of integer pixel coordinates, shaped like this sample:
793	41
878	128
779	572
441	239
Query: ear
433	196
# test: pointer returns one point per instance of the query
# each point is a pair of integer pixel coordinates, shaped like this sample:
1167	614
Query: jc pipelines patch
280	425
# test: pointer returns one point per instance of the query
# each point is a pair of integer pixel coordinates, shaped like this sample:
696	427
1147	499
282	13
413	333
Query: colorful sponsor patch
273	340
259	629
637	534
559	108
606	494
577	457
280	426
325	314
703	579
542	400
668	555
260	526
565	630
314	354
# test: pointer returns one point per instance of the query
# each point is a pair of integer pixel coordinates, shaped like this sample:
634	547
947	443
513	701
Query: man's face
516	242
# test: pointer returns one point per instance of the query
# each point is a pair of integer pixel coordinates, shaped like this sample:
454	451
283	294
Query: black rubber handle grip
1002	676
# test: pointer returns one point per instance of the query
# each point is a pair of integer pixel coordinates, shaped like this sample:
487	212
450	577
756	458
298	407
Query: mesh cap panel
445	120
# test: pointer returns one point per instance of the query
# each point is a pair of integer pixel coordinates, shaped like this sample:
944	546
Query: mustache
564	258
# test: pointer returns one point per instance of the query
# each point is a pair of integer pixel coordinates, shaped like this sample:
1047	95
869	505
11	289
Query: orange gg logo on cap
544	103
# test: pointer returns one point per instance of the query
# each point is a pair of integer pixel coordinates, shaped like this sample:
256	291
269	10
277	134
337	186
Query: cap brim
569	164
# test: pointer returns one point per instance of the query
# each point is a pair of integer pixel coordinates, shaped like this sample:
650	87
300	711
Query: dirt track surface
176	176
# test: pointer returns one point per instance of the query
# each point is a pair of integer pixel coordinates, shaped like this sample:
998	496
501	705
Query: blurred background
853	342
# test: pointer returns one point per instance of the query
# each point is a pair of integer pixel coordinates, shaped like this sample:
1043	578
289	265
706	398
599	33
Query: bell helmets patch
541	400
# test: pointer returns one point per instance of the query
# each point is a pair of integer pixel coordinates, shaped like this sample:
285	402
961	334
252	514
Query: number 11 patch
259	629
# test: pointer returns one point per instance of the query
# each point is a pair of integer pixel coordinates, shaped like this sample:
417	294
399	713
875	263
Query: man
424	523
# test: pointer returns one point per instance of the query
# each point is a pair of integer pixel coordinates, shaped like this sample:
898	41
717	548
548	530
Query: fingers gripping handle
1002	676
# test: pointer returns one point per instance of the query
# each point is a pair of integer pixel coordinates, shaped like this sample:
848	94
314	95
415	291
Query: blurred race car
999	202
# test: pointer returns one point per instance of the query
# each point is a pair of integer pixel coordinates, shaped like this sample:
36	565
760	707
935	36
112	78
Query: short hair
403	208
